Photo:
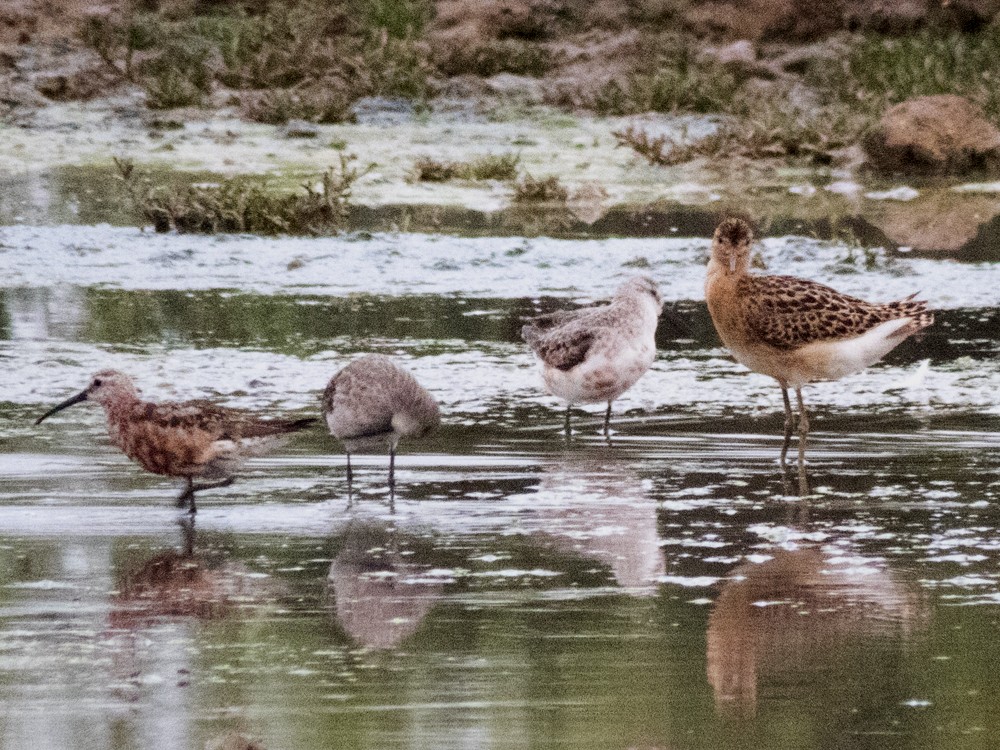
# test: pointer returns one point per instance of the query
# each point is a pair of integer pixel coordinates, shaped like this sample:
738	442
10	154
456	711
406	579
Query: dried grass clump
247	204
545	190
501	167
765	129
458	54
325	106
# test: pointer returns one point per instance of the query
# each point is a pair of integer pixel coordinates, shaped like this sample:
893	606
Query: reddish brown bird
188	439
795	330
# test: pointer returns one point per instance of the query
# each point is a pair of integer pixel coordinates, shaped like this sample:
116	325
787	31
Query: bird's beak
82	396
732	263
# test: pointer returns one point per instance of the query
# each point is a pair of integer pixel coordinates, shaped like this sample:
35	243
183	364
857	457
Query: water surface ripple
667	590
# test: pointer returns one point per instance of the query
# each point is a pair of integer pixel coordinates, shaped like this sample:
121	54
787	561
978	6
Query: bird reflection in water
180	583
153	622
595	505
795	611
379	597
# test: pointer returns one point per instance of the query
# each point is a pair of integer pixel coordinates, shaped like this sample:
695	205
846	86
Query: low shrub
545	190
489	167
247	203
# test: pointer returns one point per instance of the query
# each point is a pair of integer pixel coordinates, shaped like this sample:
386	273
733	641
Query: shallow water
669	590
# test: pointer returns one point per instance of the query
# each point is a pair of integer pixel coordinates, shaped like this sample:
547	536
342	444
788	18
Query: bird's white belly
823	360
602	376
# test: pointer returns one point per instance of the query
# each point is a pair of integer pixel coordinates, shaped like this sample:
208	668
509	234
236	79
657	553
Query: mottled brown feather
788	312
565	350
563	338
219	422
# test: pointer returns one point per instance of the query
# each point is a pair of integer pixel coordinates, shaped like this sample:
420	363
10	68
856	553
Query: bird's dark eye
97	381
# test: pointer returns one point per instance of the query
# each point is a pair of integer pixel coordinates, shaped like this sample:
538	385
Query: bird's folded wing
787	312
183	415
219	422
564	348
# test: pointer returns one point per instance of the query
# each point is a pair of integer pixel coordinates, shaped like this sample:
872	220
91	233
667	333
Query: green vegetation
314	57
871	73
676	80
488	167
875	71
246	203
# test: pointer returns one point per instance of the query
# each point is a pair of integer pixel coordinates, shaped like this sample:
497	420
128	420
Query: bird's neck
645	306
719	275
123	409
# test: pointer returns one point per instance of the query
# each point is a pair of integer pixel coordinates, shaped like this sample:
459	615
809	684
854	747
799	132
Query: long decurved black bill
82	396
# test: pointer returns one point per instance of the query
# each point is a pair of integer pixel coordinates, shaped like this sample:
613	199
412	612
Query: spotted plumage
795	330
597	353
187	439
373	402
787	312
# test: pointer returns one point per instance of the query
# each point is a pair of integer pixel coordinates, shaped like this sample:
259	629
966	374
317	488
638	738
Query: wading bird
372	403
186	439
794	330
595	354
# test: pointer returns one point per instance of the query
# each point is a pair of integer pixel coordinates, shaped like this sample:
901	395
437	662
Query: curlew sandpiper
597	353
186	439
373	402
794	330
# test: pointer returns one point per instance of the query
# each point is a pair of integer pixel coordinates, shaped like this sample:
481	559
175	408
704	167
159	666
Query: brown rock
944	134
939	222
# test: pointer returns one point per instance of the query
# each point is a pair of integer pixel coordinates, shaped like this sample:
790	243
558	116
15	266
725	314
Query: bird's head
105	387
731	245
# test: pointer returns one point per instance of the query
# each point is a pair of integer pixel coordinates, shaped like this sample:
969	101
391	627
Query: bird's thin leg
789	421
187	530
803	429
392	478
607	421
566	427
187	494
803	481
350	482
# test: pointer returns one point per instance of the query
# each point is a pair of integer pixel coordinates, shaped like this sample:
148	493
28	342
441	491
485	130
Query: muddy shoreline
79	184
58	145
